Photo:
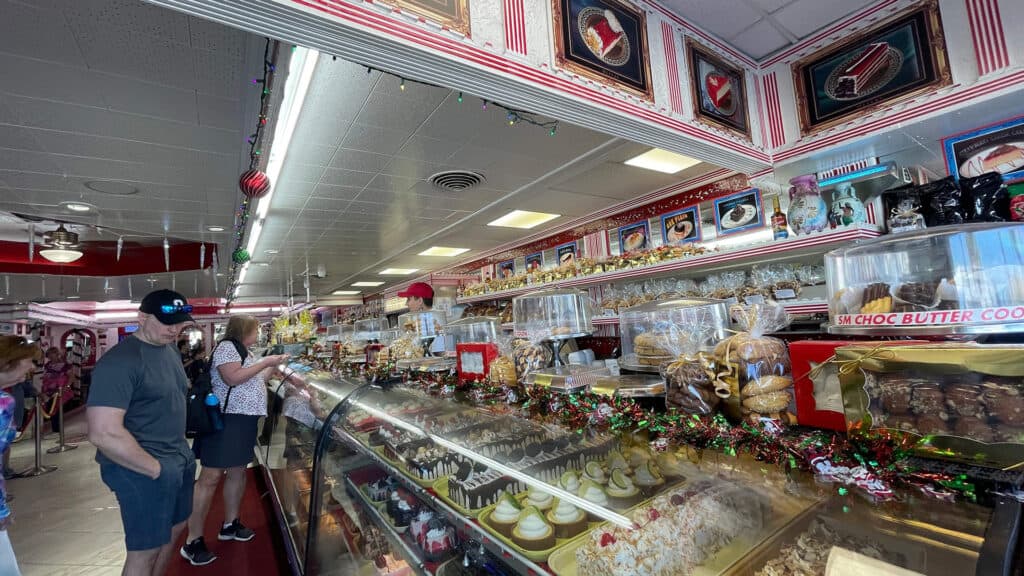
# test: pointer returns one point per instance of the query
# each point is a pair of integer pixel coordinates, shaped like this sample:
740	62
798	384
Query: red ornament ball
254	183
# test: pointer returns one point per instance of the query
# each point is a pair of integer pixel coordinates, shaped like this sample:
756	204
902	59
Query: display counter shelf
607	496
793	248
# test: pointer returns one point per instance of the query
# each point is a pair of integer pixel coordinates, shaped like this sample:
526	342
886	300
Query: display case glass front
426	324
552	314
370	328
657	333
405	483
473	330
946	280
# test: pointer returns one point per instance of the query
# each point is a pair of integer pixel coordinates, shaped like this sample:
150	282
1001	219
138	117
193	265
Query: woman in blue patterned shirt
16	357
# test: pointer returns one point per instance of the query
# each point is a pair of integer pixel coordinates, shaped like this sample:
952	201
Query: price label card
613	366
786	294
754	299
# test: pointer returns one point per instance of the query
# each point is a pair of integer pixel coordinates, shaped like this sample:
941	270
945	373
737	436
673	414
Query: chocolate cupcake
965	400
928	399
975	429
932	424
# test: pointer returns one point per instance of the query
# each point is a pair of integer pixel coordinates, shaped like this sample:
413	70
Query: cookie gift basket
965	279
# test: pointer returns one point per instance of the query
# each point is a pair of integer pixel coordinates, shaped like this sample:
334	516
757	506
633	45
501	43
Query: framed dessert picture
995	148
605	40
507	269
738	212
719	90
534	261
451	14
897	59
566	254
681	226
635	237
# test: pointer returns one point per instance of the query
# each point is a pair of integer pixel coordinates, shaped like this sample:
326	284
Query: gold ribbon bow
847	367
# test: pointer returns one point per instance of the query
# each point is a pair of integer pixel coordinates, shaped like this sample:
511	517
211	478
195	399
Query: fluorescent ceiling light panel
523	219
345	292
443	251
215	228
662	161
367	284
243	273
398	271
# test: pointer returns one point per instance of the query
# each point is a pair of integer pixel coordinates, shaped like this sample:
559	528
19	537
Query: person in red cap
419	297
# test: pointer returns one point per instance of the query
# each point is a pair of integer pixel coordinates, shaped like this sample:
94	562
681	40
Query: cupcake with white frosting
532	531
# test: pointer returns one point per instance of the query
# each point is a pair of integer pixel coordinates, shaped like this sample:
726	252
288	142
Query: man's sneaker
197	553
235	531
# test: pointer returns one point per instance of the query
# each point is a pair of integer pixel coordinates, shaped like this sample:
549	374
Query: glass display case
552	315
370	329
371	480
965	279
657	333
473	330
426	324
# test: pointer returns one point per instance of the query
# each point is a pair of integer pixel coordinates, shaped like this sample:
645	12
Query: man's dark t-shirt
149	384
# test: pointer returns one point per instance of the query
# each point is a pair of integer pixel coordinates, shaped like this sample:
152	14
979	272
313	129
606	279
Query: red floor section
262	556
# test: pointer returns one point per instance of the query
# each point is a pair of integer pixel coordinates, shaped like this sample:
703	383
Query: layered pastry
685	527
567	520
505	514
1004	158
865	66
649	478
719	89
532	531
378	490
437	540
474	486
876	299
402	510
595	494
621	491
594	472
418	525
539	499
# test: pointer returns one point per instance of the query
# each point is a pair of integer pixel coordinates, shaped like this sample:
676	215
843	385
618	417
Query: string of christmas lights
265	83
513	115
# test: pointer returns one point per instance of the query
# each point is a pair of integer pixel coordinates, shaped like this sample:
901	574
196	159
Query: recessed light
398	271
367	284
345	292
215	228
523	219
270	251
662	161
77	206
443	251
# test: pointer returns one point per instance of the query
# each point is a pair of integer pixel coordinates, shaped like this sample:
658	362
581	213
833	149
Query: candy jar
846	207
807	210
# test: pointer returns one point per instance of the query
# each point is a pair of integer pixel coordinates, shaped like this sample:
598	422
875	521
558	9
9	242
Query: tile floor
67	522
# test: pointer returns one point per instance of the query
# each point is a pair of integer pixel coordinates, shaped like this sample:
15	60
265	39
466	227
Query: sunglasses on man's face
172	308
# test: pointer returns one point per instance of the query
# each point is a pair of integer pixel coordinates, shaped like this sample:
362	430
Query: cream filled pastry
505	514
649	477
593	493
622	493
593	472
533	532
616	461
567	520
570	481
539	498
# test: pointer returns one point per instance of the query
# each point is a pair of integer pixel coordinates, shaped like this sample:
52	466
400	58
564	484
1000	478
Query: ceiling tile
721	17
338	193
29	31
390	183
770	5
804	17
374	139
358	160
426	149
350	178
759	40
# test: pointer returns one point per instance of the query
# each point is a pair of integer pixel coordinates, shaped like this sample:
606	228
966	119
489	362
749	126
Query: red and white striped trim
800	46
515	26
446	46
774	109
675	90
596	245
870	208
762	113
847	168
987	33
916	111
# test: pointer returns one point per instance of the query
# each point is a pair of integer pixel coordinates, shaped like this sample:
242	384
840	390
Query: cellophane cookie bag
529	355
503	368
754	369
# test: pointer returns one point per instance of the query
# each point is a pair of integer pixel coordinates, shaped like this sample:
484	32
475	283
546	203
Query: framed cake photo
897	59
719	90
681	227
995	148
451	14
534	261
507	269
739	212
604	40
566	254
635	237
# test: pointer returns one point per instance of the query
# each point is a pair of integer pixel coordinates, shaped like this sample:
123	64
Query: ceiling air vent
456	180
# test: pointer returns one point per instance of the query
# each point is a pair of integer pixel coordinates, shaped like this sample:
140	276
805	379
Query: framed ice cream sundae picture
719	92
566	254
897	59
739	212
534	261
634	237
605	40
681	226
996	148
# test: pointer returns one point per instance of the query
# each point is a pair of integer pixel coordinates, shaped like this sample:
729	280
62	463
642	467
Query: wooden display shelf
780	250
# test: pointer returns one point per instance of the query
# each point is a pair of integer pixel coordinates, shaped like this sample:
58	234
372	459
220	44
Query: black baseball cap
167	306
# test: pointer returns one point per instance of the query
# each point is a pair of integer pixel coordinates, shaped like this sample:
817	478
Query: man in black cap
136	414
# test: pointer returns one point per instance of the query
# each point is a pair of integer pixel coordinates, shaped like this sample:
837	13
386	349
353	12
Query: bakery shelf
461	522
415	560
790	249
795	308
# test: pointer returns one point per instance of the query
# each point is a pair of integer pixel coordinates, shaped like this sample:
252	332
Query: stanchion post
37	429
61	445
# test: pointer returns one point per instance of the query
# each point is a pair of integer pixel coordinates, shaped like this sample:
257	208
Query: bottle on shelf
779	223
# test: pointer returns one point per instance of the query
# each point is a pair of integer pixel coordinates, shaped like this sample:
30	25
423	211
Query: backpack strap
243	352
